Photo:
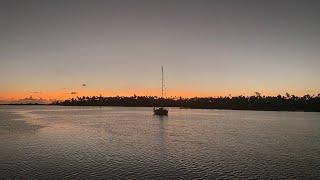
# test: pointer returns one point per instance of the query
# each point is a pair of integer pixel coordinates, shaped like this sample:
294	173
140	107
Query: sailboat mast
162	82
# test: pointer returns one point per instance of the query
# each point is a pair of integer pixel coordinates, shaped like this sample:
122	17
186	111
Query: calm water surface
54	142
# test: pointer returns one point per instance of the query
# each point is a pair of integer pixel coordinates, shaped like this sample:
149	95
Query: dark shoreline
278	110
305	103
21	104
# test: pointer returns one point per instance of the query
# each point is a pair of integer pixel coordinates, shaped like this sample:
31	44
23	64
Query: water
54	142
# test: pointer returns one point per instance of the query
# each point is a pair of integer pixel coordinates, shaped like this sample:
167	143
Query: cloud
35	92
31	99
26	100
72	92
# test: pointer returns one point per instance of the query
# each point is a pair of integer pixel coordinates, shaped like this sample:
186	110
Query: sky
63	49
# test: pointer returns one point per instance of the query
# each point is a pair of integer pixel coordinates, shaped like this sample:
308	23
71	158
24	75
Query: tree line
257	102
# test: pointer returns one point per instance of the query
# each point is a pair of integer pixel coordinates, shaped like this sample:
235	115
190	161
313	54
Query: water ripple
131	143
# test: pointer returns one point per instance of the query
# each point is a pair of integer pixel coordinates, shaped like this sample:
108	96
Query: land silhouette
257	102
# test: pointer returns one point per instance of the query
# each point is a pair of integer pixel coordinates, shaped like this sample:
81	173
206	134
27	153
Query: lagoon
58	142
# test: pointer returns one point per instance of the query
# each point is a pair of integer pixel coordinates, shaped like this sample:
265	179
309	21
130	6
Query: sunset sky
62	49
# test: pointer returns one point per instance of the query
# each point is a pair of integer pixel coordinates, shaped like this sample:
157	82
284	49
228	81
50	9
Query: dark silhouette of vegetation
17	104
257	102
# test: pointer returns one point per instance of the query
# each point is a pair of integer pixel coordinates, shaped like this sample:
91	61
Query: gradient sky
48	49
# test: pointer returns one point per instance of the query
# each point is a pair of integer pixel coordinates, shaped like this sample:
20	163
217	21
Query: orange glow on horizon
64	94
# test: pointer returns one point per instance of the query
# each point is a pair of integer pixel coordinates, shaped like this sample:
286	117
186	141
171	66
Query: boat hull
160	112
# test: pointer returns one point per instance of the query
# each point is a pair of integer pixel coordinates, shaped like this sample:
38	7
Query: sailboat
161	111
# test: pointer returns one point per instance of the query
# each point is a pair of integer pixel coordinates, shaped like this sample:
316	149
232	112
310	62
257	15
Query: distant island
258	102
